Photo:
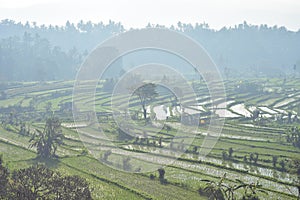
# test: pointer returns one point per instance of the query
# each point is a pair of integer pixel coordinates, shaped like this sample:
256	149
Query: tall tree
145	94
47	141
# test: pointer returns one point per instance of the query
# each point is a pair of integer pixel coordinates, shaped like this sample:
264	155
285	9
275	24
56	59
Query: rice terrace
162	100
259	143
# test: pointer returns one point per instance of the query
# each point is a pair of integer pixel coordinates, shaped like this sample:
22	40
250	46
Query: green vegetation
146	93
48	140
39	182
258	152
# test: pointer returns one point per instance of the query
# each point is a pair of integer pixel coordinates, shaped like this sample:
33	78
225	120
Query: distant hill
30	52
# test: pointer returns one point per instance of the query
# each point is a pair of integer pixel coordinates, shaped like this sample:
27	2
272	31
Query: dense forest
31	52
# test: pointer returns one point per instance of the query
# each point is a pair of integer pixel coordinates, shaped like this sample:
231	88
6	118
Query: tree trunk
145	112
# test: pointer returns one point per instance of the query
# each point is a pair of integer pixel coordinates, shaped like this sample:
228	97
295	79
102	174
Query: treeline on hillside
33	58
32	52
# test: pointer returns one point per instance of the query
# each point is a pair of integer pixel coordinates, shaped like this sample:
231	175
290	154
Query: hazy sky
137	13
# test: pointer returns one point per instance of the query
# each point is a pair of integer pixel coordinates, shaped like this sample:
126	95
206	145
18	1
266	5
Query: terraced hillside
258	114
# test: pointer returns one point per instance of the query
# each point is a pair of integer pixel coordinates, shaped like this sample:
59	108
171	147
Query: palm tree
218	190
251	190
274	160
162	172
215	190
230	152
49	139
